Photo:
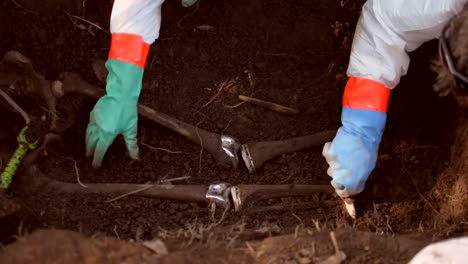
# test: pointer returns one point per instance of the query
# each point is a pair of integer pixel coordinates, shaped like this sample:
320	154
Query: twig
234	106
297	217
10	101
268	105
189	14
424	198
335	243
115	232
78	176
250	248
225	128
129	193
339	255
86	21
316	224
296	231
54	113
243	102
27	10
251	80
163	149
201	148
216	95
223	216
176	179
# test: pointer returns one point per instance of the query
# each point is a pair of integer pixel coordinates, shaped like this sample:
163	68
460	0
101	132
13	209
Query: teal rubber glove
116	113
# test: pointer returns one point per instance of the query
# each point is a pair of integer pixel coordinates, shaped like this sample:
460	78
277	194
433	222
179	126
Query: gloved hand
117	112
352	154
134	26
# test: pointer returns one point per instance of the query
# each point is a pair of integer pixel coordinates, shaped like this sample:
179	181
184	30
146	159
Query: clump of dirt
293	53
450	192
42	246
305	246
7	205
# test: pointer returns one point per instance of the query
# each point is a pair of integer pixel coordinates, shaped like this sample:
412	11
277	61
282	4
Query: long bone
185	193
220	193
255	154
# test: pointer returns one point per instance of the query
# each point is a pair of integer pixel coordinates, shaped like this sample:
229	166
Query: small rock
234	40
170	53
204	28
157	246
42	35
304	260
174	206
204	56
60	40
187	165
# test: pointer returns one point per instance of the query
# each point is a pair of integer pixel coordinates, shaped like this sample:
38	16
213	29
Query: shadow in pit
420	130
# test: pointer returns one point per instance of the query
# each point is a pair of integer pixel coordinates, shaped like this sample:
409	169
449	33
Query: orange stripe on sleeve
130	48
366	94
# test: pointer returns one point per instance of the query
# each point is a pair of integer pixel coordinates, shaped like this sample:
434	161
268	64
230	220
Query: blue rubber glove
116	113
352	154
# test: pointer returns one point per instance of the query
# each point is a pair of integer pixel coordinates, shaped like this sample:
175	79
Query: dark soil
292	53
303	247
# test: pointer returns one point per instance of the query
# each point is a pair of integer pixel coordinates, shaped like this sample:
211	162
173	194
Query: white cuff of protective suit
388	30
140	17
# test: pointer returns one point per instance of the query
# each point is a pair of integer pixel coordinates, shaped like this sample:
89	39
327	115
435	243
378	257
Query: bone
34	180
185	193
16	107
18	75
255	154
226	157
33	157
294	207
257	192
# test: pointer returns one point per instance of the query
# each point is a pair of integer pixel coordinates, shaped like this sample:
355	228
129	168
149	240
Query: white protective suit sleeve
141	17
454	251
388	29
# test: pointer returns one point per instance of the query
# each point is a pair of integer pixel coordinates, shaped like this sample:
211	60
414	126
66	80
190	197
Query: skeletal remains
18	77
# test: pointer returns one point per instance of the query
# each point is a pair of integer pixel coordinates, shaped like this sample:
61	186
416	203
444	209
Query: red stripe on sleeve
130	48
366	94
